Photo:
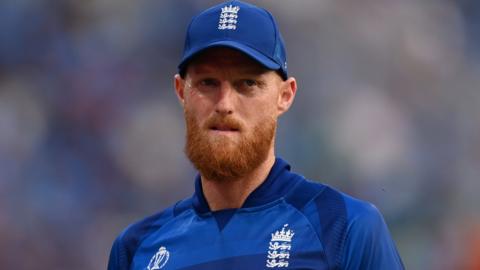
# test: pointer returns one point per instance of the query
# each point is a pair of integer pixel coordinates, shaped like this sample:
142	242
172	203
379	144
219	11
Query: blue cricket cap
241	26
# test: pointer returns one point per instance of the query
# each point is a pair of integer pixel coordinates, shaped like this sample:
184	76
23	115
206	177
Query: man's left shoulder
352	214
366	230
349	225
361	211
354	209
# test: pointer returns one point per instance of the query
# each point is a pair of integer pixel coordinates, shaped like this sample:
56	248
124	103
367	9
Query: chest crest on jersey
279	248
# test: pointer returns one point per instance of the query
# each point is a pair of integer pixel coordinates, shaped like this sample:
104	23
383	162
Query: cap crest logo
228	18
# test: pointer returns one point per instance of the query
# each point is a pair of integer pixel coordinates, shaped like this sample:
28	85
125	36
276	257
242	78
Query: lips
227	128
223	124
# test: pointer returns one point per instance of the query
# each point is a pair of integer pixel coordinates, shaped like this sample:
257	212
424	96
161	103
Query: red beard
221	158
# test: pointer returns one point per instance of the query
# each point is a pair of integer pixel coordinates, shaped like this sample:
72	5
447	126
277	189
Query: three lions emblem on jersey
279	248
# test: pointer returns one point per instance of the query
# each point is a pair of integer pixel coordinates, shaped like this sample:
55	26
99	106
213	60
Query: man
249	211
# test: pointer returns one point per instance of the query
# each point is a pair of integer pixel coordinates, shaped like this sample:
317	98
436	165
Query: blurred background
91	134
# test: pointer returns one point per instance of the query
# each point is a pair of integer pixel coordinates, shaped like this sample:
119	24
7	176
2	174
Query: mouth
224	128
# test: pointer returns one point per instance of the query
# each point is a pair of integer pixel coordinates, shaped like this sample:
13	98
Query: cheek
269	105
197	106
259	112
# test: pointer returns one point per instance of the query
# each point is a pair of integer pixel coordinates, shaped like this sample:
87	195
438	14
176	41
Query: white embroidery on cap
228	18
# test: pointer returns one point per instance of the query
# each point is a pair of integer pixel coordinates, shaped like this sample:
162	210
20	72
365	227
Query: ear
288	89
179	84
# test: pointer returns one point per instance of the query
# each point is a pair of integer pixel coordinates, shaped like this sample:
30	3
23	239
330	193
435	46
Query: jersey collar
278	182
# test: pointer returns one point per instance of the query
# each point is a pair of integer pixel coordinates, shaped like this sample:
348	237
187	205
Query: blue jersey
287	222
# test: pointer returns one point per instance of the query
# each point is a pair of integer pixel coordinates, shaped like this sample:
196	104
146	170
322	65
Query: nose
225	99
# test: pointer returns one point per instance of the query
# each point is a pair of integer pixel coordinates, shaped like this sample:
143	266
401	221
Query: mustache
229	122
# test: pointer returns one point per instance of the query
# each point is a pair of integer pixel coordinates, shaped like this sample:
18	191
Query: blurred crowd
91	134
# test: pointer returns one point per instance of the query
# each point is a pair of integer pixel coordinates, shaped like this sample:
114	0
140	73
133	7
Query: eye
248	86
249	82
208	82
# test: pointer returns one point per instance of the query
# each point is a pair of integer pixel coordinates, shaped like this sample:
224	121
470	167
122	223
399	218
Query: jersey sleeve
118	256
368	244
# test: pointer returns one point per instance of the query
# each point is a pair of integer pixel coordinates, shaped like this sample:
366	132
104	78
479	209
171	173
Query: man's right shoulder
131	237
151	223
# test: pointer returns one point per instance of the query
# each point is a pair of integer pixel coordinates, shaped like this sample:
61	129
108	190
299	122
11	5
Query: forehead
221	58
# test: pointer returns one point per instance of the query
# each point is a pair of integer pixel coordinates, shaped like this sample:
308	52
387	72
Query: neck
233	193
